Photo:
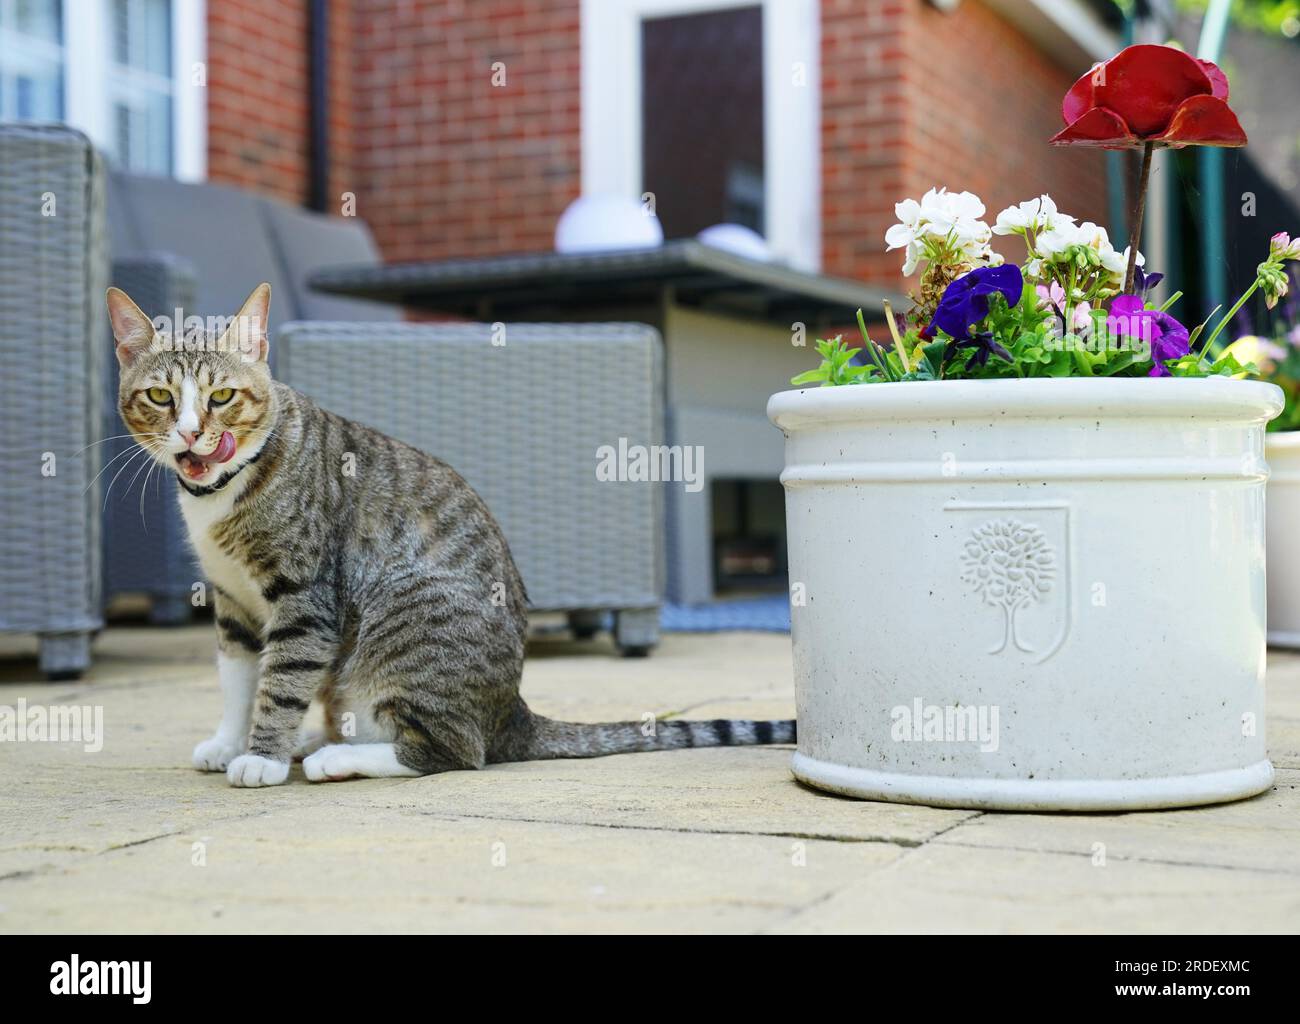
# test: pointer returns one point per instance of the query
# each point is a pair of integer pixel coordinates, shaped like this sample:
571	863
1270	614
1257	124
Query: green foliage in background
1277	17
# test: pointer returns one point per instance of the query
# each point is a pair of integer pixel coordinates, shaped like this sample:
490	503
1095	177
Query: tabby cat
377	592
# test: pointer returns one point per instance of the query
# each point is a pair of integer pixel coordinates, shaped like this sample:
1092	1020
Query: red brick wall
257	95
865	133
444	164
450	164
914	98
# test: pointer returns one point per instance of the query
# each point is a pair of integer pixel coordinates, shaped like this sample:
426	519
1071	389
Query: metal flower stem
1139	208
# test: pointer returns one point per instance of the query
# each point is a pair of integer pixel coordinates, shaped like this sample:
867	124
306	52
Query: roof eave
1069	30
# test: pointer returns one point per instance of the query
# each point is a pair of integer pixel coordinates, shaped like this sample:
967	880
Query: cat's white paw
331	763
350	760
249	770
215	754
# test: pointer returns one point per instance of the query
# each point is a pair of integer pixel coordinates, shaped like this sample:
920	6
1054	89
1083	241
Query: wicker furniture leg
65	655
636	631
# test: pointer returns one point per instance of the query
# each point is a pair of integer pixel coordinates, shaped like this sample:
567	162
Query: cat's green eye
161	396
221	396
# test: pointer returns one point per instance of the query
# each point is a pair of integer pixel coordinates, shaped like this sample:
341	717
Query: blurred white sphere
737	240
600	223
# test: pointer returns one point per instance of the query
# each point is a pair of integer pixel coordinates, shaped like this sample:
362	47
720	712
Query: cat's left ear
247	333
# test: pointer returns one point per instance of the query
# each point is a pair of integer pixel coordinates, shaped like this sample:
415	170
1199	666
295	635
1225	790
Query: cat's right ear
132	330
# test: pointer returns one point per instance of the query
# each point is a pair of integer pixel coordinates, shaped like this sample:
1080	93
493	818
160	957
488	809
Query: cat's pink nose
188	437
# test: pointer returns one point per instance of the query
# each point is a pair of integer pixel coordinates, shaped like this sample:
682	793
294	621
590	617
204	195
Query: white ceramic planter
1033	595
1283	453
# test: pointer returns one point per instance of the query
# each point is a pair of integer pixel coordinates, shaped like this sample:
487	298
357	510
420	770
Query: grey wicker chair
53	260
519	410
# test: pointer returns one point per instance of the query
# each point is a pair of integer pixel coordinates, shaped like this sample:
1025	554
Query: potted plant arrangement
1278	360
1026	534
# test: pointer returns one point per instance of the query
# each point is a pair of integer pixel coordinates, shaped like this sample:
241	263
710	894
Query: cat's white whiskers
115	437
126	453
266	433
144	489
147	464
139	451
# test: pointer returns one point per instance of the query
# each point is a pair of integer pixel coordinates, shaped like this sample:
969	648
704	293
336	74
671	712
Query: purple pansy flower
965	302
1129	318
1143	282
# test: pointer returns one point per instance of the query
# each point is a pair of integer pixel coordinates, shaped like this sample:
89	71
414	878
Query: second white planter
1039	595
1283	453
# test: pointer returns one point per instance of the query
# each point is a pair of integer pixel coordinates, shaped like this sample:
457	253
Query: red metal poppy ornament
1150	94
1146	97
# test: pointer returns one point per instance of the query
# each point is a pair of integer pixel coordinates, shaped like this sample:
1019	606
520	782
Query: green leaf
1124	361
934	353
810	377
1170	301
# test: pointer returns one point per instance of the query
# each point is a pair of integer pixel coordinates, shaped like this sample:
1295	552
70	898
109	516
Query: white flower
1014	220
1117	262
971	233
912	257
1094	236
1034	215
955	213
1058	245
905	233
948	219
1056	240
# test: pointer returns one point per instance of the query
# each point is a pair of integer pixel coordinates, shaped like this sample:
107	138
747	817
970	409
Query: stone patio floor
132	839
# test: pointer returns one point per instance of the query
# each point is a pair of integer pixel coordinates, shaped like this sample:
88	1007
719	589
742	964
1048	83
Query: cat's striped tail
535	738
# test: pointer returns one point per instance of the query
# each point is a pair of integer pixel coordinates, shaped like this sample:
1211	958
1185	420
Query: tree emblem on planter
1011	565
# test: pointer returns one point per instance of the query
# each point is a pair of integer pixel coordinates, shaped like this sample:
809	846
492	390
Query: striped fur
363	573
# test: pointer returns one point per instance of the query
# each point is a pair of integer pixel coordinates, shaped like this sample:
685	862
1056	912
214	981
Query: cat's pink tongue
223	452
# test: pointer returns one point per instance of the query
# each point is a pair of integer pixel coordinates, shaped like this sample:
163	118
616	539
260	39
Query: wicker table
729	326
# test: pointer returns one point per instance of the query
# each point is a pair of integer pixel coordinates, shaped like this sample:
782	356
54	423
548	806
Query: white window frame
29	53
611	110
87	56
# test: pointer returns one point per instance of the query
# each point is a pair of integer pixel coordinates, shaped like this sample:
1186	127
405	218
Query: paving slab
349	868
695	840
1261	834
736	790
945	889
1283	700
